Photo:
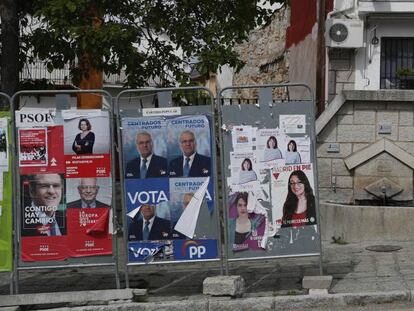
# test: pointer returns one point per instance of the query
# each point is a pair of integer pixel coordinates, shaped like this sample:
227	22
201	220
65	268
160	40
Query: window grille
396	54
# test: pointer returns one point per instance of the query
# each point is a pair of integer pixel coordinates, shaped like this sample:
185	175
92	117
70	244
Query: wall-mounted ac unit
344	33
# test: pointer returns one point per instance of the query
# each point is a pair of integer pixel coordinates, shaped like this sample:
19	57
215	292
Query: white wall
343	5
367	60
225	77
370	6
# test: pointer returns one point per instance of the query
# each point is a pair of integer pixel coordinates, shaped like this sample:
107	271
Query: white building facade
385	52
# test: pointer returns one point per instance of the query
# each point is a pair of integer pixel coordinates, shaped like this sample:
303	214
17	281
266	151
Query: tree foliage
151	40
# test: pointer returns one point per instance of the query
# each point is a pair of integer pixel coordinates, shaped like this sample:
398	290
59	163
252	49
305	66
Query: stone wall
356	126
264	55
341	71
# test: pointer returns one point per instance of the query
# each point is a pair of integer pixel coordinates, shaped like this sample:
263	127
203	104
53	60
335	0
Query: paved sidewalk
355	270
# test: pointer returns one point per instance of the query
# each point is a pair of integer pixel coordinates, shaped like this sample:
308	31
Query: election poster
168	190
6	223
247	222
66	199
89	231
271	201
242	137
43	220
294	199
89	216
189	146
86	143
270	146
32	147
297	150
244	170
41	155
4	142
144	138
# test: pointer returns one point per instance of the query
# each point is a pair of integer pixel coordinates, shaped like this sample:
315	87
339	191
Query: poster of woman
297	150
247	222
86	132
293	195
244	171
270	145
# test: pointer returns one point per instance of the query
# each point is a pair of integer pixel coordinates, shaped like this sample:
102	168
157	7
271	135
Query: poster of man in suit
88	192
189	147
42	213
147	164
145	150
149	226
164	160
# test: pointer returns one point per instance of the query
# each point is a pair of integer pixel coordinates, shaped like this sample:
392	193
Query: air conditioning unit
344	33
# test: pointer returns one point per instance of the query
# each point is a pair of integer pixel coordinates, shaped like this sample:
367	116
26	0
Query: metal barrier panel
64	183
6	221
168	168
269	173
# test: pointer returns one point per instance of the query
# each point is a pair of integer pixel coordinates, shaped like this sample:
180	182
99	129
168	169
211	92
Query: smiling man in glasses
41	215
88	190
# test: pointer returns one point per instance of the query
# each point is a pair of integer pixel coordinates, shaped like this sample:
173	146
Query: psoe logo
195	249
101	170
89	243
43	248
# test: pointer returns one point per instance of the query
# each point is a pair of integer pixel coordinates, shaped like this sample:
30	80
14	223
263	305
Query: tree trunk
93	79
9	56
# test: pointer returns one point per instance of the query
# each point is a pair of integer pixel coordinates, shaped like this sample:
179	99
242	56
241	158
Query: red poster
54	226
32	147
44	248
88	233
54	163
92	165
43	218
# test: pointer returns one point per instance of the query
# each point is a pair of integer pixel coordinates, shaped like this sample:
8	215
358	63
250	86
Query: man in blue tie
149	226
191	163
42	217
148	164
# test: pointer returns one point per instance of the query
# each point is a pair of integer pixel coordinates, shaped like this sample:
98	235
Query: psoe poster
43	225
87	143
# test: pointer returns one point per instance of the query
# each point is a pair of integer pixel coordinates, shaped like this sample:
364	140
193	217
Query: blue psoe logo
149	252
195	249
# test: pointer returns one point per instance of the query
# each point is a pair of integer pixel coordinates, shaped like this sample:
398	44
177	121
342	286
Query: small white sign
32	117
70	114
164	111
242	137
293	123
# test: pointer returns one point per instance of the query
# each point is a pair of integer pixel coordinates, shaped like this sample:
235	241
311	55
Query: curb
74	297
257	304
